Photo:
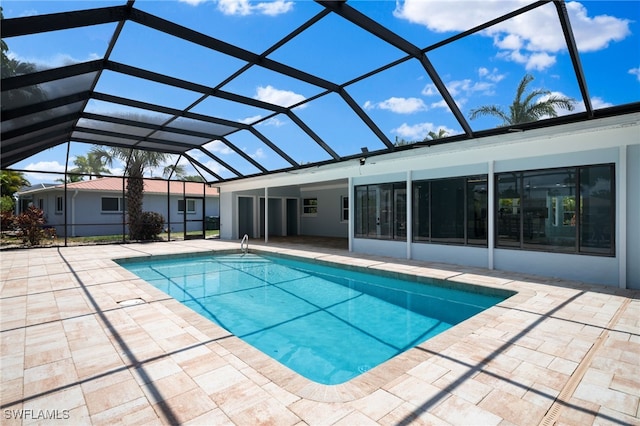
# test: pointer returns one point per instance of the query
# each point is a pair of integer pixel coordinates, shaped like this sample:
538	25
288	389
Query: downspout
73	213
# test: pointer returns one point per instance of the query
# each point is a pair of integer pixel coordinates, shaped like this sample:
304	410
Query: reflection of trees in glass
525	107
11	67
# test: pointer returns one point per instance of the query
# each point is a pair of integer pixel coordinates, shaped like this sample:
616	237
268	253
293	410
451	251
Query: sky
482	69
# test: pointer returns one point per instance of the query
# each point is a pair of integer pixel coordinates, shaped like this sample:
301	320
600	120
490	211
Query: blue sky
479	70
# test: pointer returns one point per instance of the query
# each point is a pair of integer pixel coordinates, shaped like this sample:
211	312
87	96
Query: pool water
326	323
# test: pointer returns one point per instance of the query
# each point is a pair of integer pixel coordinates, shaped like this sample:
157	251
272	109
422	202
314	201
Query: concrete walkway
556	353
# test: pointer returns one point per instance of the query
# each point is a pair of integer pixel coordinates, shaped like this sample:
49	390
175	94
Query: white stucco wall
608	140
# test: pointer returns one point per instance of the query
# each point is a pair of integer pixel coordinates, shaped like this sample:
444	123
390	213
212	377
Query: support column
621	230
491	214
266	214
409	203
351	225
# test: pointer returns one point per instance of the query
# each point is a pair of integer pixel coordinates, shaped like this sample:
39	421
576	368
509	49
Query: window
59	205
309	206
452	210
344	203
563	210
41	203
191	206
112	204
381	211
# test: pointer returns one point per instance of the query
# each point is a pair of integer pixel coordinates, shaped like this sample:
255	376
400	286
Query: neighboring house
560	201
97	207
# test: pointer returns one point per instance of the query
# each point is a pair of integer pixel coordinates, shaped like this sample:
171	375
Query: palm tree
11	182
176	170
442	133
524	108
136	162
92	165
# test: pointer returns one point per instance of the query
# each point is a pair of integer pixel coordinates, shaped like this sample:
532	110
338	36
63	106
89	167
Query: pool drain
131	302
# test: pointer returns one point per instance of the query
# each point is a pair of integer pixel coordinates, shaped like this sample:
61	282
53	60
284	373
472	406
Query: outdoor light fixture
362	161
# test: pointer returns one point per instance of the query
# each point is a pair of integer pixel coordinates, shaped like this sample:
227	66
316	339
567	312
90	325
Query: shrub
152	224
6	212
30	226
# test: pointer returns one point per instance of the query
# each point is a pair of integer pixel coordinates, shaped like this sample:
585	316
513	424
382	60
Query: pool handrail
244	244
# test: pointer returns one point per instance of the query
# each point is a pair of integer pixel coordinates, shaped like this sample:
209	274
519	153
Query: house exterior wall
84	215
612	140
328	221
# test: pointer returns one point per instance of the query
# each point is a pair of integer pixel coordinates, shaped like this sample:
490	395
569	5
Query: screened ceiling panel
213	129
22	141
335	49
293	140
117	110
179	137
144	90
113	127
247	88
159	146
39	117
330	124
218	150
99	139
256	149
210	68
231	110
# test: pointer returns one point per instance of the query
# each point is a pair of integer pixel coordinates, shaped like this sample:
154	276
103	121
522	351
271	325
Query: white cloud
539	61
398	105
531	39
245	7
491	75
50	166
636	72
597	102
217	146
29	12
274	121
274	8
467	87
430	90
275	96
595	33
249	120
192	2
418	131
440	104
259	153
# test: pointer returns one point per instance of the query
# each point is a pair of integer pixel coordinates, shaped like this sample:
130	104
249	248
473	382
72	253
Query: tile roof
150	186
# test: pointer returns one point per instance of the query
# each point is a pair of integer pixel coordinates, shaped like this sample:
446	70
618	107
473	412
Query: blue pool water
328	324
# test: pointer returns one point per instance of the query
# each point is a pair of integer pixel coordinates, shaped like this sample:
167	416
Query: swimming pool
326	323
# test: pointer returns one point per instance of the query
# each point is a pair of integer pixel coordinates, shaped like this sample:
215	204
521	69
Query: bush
30	226
152	224
6	212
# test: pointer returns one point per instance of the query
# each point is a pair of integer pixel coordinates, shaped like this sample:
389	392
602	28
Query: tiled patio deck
556	353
